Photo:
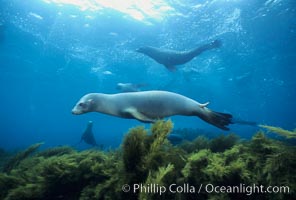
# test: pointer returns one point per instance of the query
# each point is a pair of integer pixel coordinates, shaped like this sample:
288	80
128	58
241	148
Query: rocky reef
148	166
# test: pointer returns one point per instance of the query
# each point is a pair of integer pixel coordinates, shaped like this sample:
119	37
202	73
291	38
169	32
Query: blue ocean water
54	52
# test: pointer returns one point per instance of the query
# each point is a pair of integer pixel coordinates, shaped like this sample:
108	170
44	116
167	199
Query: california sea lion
88	136
149	106
171	58
129	87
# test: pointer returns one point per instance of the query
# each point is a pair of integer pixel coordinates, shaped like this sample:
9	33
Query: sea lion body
88	136
171	58
149	106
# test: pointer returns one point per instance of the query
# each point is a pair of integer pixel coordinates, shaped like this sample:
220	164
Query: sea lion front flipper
134	113
171	68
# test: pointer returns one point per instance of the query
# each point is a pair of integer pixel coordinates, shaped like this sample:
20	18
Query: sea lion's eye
81	104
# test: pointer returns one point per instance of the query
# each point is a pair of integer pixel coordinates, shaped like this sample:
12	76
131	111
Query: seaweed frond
8	182
26	192
222	142
160	130
156	153
147	158
134	149
13	162
280	131
262	145
158	176
199	143
56	151
195	163
217	169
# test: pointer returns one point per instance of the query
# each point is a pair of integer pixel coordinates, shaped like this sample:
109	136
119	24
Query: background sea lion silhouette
171	58
88	136
130	87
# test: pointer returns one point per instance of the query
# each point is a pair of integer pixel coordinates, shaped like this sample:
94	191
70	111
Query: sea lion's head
140	50
144	50
84	105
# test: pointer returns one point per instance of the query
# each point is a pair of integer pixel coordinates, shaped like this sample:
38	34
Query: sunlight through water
139	10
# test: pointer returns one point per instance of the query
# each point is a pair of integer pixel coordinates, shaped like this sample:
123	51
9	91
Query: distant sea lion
171	58
88	136
129	87
149	106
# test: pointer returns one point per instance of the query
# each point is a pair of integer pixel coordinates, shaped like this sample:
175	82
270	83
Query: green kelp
60	176
199	143
14	161
149	156
254	162
272	163
4	157
56	151
217	144
280	131
159	132
156	178
222	142
148	160
141	149
134	149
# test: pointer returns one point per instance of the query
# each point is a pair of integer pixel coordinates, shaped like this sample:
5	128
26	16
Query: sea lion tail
220	120
242	122
212	45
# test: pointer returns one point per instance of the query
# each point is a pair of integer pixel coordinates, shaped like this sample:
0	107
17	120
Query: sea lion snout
84	105
75	112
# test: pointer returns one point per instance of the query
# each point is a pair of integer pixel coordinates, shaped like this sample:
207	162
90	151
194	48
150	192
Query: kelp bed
146	157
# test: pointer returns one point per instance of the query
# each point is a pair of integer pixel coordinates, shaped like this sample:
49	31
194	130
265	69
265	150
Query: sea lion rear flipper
134	113
220	120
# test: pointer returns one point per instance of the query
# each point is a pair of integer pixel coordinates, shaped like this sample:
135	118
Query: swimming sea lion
149	106
88	136
129	87
171	58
